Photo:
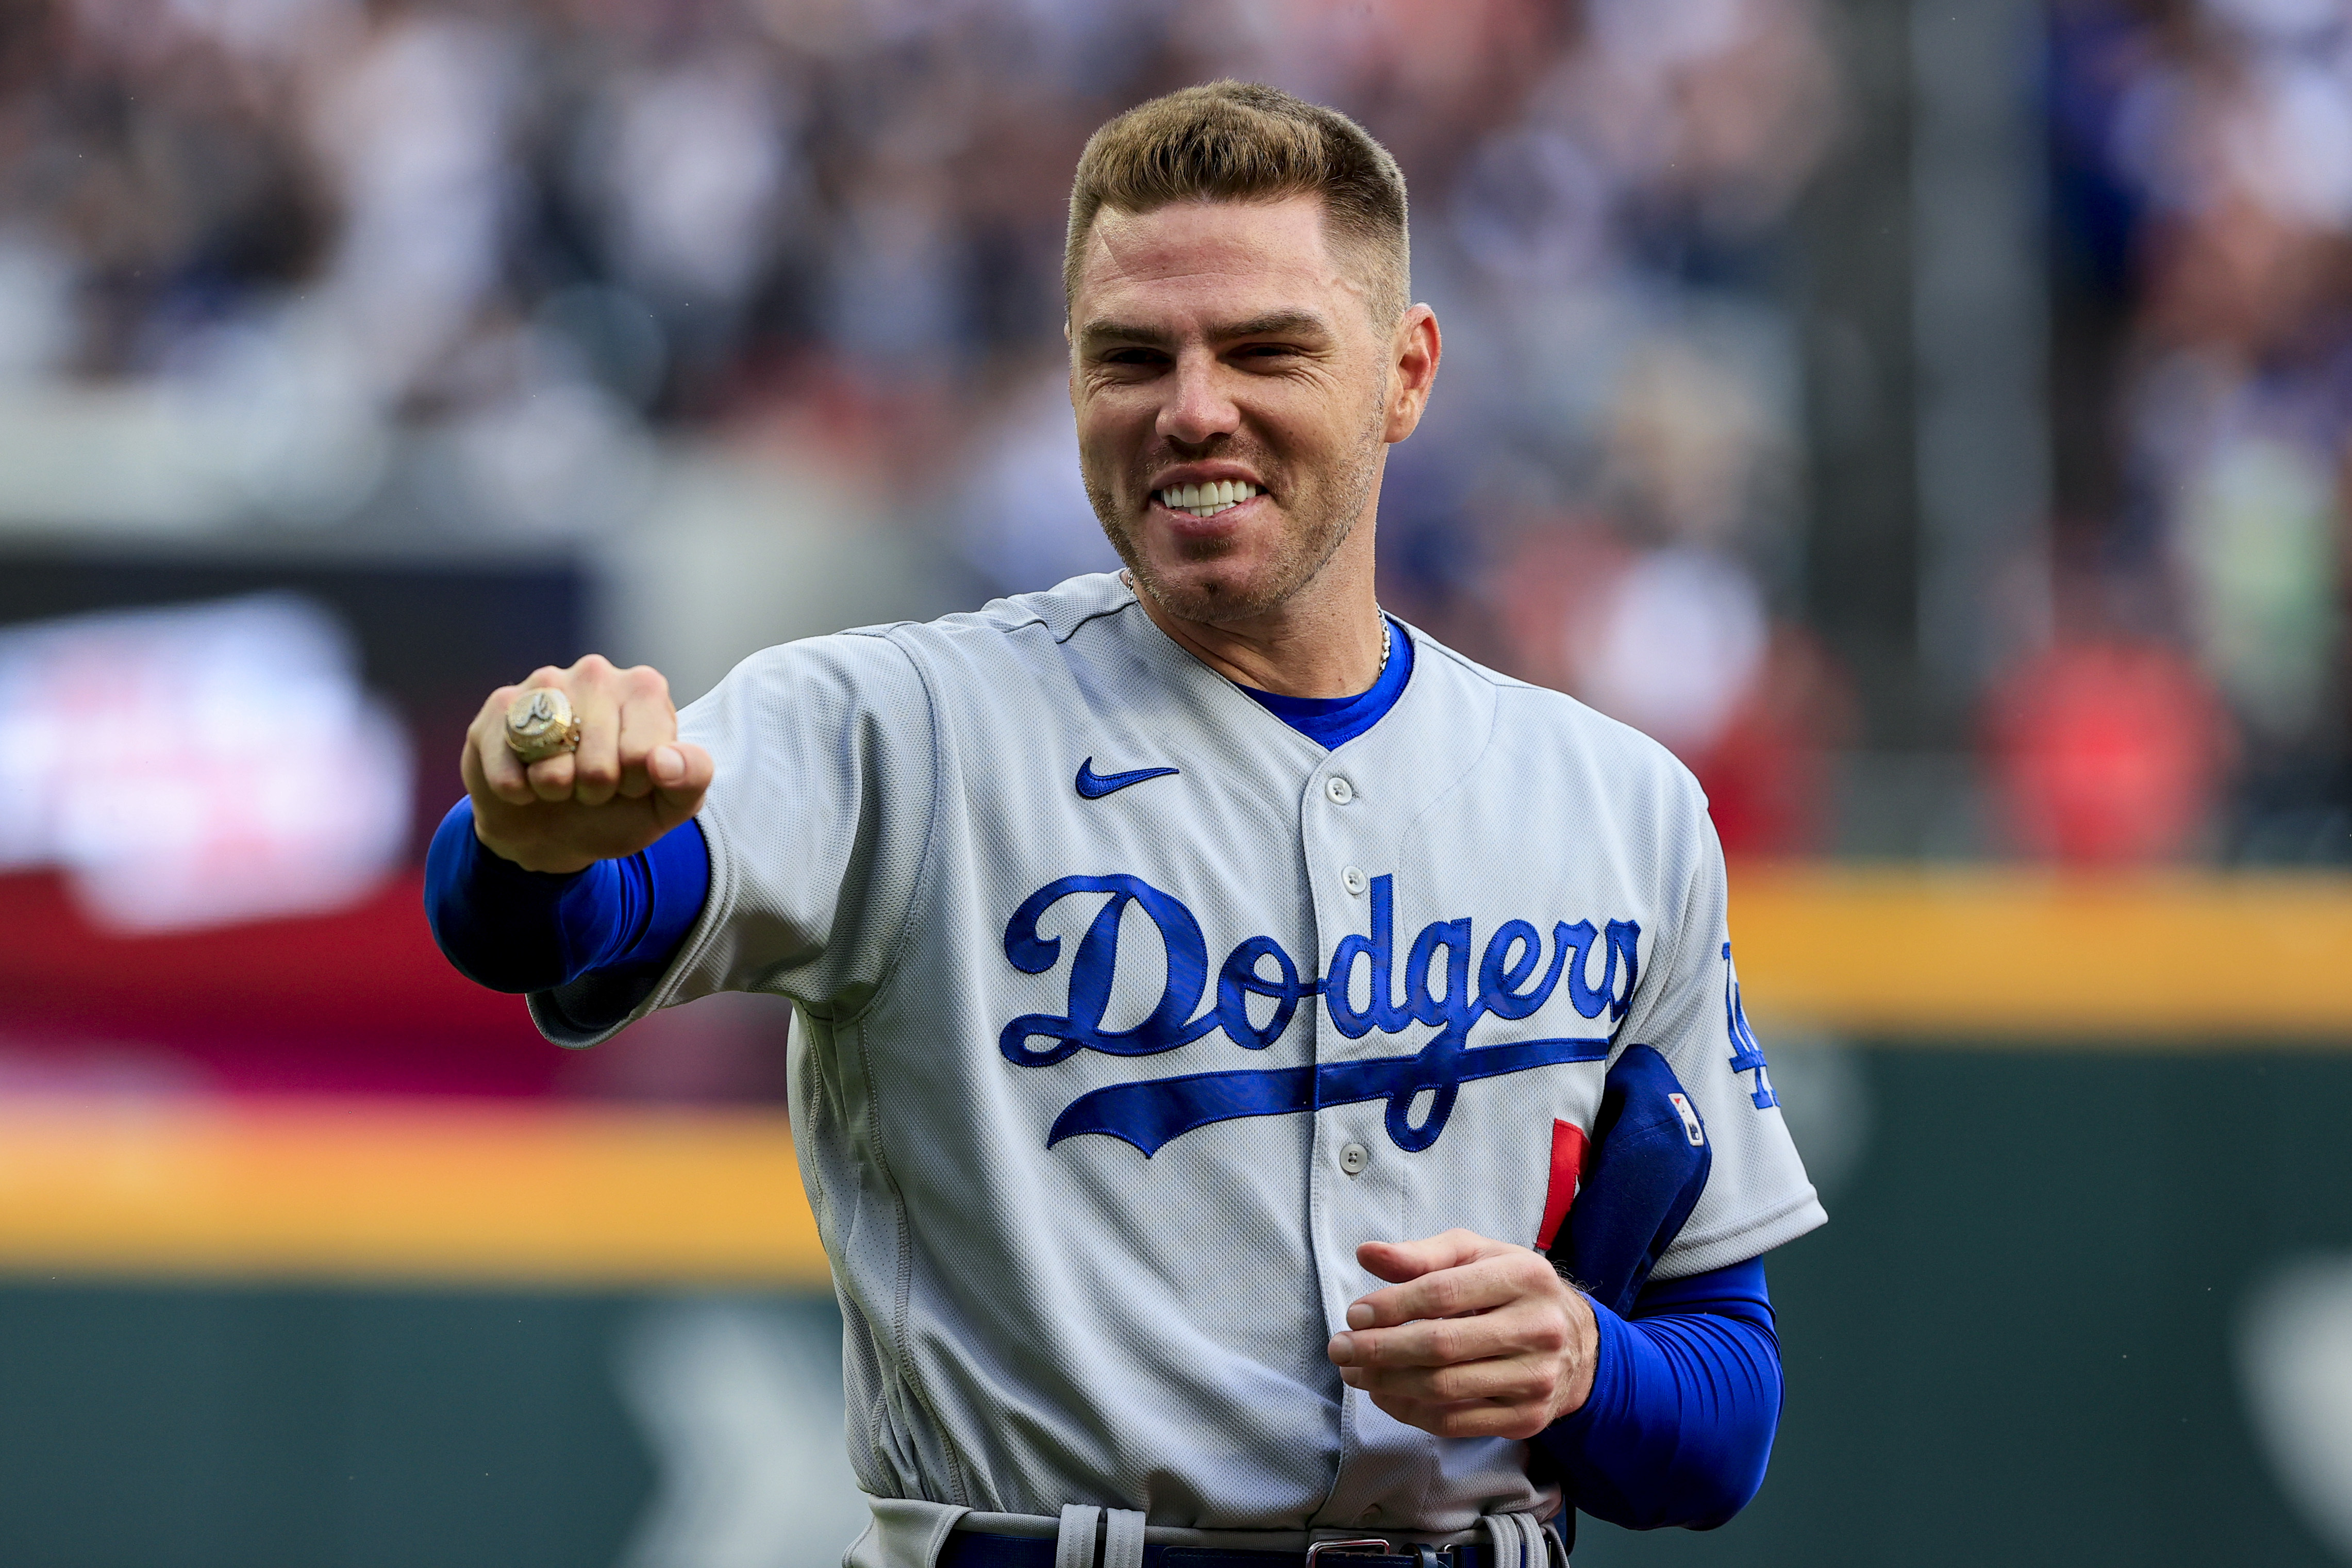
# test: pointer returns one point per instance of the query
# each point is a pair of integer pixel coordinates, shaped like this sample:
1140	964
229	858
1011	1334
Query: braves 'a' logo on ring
1150	1112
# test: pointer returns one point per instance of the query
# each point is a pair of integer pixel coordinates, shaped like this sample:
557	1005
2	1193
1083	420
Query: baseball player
1263	1081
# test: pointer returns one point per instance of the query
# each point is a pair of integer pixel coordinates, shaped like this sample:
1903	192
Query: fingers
646	722
1518	1420
624	716
681	772
629	779
596	765
1450	1292
1398	1261
1510	1379
1506	1373
1529	1326
488	767
1521	1329
1515	1396
552	778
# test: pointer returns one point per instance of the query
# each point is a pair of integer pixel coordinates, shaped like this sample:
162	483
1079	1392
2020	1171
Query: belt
973	1549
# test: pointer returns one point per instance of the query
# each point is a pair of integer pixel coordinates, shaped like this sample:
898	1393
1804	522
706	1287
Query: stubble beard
1321	518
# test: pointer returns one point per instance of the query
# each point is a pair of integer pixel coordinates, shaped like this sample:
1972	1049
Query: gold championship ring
539	725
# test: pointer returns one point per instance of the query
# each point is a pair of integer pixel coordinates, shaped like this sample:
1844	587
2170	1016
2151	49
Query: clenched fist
1475	1337
631	779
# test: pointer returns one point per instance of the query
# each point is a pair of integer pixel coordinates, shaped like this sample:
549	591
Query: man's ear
1413	369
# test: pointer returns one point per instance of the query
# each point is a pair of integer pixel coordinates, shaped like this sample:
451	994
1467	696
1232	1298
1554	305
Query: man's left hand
1474	1338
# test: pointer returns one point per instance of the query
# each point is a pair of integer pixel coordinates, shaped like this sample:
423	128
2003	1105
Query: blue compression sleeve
1685	1398
513	930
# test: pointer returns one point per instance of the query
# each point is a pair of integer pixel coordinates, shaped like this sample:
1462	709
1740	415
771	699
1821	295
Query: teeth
1208	500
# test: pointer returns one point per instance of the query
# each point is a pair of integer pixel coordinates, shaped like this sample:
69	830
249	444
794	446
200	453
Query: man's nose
1197	409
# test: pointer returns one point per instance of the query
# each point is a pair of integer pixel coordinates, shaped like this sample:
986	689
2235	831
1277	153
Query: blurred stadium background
1933	420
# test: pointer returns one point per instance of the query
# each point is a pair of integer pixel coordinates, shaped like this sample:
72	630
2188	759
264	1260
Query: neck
1323	641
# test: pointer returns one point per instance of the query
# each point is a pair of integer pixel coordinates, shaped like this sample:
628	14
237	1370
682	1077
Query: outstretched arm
519	931
583	862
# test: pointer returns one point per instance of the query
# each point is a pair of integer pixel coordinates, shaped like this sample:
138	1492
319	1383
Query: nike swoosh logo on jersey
1094	785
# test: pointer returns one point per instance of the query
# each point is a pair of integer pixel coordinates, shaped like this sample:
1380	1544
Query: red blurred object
1768	776
2108	752
360	1001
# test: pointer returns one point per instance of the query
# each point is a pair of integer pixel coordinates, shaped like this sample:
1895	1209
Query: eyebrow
1273	324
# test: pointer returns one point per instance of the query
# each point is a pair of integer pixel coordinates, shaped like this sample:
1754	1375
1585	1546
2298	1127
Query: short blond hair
1243	141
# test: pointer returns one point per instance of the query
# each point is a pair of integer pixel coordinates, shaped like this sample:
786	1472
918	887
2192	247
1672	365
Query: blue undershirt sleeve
1686	1399
513	930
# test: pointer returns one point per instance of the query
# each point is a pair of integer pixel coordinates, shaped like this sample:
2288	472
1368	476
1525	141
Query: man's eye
1268	351
1132	357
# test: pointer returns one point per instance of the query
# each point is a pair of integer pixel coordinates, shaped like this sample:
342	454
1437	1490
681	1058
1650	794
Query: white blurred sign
199	765
742	1404
2294	1366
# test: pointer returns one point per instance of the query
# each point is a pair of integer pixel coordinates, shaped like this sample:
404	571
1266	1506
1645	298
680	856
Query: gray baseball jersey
1126	1012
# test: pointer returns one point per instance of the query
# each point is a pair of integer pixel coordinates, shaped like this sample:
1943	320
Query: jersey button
1354	880
1354	1158
1341	791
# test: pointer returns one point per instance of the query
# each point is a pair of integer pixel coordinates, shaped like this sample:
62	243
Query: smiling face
1236	399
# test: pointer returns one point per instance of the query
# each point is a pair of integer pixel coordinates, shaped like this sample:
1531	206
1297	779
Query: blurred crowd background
1933	422
578	277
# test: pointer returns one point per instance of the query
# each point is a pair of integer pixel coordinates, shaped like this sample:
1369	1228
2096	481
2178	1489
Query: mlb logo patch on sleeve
1691	1127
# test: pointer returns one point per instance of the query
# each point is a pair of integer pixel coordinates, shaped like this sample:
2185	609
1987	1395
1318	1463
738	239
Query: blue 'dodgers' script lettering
1446	979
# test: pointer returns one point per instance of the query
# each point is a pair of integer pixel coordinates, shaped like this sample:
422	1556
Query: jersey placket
1358	1177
